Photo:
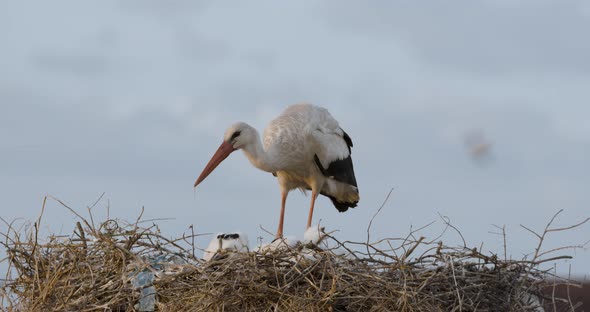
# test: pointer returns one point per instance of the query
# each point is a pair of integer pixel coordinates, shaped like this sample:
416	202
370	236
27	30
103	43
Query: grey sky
132	99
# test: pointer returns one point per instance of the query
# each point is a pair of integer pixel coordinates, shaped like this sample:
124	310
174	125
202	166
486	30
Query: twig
375	215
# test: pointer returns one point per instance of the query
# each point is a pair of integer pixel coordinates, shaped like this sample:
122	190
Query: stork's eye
235	135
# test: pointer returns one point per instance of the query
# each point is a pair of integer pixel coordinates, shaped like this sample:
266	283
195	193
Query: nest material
94	269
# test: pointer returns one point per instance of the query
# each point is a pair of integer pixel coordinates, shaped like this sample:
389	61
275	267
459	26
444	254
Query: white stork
304	148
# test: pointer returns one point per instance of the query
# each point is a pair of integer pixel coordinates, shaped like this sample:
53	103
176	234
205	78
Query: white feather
217	245
286	242
305	130
314	234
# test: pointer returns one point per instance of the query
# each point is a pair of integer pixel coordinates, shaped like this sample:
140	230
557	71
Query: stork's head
239	135
236	137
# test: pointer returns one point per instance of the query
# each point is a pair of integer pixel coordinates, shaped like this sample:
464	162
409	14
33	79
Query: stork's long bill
222	152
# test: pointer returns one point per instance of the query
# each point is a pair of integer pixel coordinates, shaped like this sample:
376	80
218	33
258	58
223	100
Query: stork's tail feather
342	206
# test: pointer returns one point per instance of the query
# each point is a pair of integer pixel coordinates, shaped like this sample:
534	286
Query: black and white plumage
237	242
304	148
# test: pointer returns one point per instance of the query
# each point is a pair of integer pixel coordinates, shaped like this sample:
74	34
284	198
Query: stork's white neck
259	157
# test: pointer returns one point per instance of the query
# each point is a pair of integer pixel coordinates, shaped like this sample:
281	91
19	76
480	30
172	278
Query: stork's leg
314	195
283	201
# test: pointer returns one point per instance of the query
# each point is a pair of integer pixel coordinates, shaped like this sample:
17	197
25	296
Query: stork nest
97	269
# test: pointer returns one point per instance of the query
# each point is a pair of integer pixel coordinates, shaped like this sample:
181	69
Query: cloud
482	37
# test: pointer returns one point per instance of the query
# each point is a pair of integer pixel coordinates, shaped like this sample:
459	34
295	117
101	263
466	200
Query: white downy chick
314	234
286	242
226	241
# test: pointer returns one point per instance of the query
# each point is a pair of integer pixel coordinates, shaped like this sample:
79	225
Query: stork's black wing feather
340	170
347	139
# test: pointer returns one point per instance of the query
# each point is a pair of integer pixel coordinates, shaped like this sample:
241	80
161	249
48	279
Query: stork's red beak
222	152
